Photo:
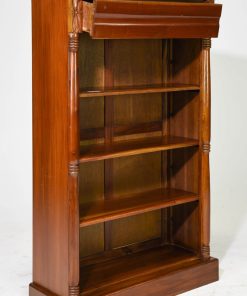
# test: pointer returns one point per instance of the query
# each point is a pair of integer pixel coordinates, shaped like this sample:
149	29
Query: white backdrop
228	157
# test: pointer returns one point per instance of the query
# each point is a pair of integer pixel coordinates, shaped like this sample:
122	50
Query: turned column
205	110
74	144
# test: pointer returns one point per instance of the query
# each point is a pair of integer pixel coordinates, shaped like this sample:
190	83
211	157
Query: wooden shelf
135	269
139	89
132	147
148	19
107	210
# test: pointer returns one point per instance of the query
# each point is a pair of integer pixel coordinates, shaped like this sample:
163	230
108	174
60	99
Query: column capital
206	43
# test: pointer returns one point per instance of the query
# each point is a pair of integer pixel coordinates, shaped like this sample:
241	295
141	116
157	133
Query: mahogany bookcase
121	142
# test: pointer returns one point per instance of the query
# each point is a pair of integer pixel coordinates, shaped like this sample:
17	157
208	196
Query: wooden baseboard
37	290
172	284
177	282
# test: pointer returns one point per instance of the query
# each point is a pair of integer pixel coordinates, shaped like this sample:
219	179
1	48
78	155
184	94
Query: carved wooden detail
206	43
74	291
74	169
73	42
77	15
81	16
205	104
206	148
73	166
205	252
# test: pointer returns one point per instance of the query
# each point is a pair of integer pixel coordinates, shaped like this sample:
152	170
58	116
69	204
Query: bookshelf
121	142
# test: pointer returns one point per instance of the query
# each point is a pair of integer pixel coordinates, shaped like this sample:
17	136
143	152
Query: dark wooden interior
126	141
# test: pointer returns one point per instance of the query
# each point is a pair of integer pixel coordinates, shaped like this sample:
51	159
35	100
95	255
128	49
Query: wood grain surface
50	145
150	19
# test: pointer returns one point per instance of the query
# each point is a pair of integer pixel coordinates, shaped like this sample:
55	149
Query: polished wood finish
149	19
190	276
133	147
121	141
107	210
205	148
73	181
119	131
141	270
109	123
140	172
36	290
131	90
50	146
185	170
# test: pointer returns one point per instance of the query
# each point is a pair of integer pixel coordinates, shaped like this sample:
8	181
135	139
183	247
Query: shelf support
205	111
73	168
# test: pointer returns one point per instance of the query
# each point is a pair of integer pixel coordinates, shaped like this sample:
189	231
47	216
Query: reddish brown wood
143	164
183	280
133	147
101	211
109	133
73	181
146	19
184	122
131	65
168	270
130	90
122	130
36	290
166	214
205	106
50	145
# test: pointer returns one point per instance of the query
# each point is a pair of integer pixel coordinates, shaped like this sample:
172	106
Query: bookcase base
175	283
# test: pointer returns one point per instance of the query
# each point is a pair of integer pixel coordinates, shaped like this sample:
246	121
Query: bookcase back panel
91	181
132	175
135	62
92	114
136	174
91	74
91	189
92	240
185	169
136	229
186	226
136	109
186	61
184	120
91	62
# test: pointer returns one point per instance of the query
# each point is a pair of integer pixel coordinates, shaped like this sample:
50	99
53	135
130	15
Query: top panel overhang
120	19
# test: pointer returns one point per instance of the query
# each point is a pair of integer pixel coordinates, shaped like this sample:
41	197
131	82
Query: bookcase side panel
50	145
184	121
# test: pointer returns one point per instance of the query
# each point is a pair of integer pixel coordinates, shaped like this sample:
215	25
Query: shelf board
116	208
139	89
133	147
133	269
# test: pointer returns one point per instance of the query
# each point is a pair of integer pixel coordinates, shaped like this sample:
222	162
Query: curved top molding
114	19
